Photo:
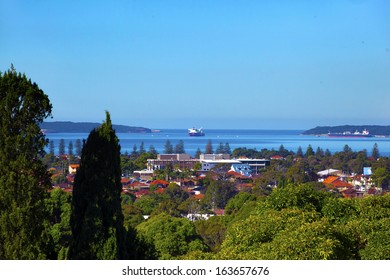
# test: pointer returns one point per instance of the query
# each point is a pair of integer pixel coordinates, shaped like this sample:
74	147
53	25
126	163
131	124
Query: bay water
237	138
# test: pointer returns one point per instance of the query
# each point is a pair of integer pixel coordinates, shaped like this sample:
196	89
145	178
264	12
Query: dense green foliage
24	181
97	219
299	222
169	237
58	206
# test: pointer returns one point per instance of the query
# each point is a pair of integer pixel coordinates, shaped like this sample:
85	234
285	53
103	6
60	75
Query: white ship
195	132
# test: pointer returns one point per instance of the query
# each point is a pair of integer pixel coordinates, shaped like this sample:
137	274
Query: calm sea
259	139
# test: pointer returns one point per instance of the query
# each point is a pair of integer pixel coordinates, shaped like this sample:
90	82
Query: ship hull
196	134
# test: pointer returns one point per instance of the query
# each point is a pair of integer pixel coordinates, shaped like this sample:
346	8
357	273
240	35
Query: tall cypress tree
24	181
97	219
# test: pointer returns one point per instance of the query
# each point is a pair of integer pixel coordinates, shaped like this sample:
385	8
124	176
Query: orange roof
331	179
199	196
341	184
159	190
125	180
277	157
159	182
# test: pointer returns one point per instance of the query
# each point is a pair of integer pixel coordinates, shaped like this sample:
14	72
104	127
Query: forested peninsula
86	127
379	130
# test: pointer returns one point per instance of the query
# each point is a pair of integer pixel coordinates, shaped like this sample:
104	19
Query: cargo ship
195	132
347	134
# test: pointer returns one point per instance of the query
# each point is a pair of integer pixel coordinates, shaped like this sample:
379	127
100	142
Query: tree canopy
97	220
24	181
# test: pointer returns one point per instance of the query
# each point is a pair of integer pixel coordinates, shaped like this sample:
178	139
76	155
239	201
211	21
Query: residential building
182	161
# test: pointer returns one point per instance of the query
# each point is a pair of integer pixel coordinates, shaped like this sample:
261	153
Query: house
144	174
181	161
243	170
277	157
329	172
73	168
141	193
160	183
335	182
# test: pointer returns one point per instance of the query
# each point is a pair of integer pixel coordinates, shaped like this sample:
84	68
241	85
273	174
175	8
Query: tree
134	153
78	147
319	152
381	176
70	148
198	153
209	148
169	237
168	148
375	151
51	151
61	148
299	152
24	181
227	149
179	148
51	147
220	149
59	208
309	151
152	150
142	148
97	219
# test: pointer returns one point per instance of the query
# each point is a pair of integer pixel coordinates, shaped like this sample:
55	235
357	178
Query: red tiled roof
159	182
277	157
341	184
331	179
125	180
159	191
141	193
219	212
199	196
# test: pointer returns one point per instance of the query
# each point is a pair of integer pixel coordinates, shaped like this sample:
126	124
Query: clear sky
212	64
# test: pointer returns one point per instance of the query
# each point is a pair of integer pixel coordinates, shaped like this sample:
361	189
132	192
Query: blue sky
214	64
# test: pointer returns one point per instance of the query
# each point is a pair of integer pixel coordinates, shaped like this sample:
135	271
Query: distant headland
375	130
86	127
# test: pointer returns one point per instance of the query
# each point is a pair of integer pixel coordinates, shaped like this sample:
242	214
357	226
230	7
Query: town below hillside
375	130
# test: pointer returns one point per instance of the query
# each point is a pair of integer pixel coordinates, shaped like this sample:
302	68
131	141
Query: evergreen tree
51	151
227	149
309	151
220	149
179	148
375	151
319	153
61	148
78	147
97	219
142	148
51	147
299	152
152	150
209	148
168	148
24	181
327	153
134	152
198	153
70	148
